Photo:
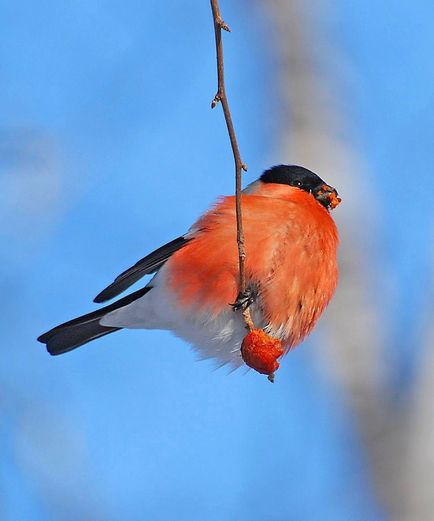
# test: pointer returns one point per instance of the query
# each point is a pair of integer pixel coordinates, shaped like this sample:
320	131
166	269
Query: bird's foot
244	300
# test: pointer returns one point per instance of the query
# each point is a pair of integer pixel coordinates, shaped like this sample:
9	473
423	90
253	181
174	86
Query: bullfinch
291	273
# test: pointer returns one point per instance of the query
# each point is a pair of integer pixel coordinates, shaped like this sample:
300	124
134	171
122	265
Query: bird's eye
299	183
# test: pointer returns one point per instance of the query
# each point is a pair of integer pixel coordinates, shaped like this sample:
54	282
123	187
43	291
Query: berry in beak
327	196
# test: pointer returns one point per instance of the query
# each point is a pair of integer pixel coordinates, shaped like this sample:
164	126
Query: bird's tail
81	330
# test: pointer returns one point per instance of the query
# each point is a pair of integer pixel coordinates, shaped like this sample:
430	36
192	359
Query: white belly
216	337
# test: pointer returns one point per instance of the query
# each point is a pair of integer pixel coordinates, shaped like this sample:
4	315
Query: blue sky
108	149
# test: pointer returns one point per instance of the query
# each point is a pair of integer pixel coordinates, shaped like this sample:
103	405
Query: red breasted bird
291	273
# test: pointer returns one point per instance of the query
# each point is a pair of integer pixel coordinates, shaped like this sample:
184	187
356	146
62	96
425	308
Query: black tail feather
81	330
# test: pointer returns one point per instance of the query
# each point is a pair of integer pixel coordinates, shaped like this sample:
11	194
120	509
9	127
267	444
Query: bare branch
219	24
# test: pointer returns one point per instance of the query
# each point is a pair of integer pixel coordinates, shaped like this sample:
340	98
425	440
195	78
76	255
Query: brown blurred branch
221	97
397	436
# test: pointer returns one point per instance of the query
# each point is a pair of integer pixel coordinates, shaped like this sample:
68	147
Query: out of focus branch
397	435
221	97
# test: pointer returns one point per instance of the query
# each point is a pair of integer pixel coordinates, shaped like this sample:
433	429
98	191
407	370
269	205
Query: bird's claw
244	300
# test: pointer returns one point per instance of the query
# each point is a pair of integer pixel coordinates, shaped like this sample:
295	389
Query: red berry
260	352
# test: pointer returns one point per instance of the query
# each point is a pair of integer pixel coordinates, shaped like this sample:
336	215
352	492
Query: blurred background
108	149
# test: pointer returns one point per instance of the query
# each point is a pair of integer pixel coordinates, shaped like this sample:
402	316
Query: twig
219	24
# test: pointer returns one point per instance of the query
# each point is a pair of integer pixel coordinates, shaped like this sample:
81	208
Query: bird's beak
327	196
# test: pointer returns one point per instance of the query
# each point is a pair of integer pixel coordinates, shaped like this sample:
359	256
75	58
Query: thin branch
219	24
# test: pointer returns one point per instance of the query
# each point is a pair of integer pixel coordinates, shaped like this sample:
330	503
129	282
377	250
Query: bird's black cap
304	179
292	175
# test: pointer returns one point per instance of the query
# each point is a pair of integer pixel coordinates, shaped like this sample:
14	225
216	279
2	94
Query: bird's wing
145	266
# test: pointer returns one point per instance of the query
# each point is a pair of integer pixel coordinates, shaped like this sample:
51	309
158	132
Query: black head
304	179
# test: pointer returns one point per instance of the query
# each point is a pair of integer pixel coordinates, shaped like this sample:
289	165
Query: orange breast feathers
290	242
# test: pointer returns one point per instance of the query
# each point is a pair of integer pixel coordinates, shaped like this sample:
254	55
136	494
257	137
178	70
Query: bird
291	273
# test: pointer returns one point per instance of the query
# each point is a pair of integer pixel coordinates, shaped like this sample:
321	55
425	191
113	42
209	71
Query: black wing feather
145	266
